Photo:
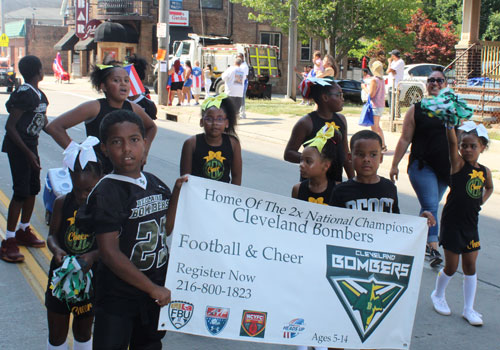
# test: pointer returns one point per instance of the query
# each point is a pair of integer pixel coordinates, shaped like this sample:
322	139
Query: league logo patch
368	283
253	324
216	319
293	328
179	313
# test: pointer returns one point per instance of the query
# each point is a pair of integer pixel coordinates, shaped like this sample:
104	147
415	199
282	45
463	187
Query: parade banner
254	266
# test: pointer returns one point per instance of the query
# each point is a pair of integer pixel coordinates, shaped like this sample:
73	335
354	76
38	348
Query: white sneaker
440	305
473	317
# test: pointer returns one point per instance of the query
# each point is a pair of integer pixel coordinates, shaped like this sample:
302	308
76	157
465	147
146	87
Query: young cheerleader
471	185
315	163
115	83
329	98
143	100
64	239
215	154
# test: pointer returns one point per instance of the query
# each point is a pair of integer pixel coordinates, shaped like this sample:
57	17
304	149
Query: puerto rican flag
57	65
136	87
196	76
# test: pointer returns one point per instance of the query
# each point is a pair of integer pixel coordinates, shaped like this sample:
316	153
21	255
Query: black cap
395	53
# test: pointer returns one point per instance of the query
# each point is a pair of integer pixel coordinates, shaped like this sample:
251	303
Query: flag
136	87
57	65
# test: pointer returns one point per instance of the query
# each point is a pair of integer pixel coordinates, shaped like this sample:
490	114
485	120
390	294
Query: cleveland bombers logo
214	165
179	313
216	319
253	324
368	283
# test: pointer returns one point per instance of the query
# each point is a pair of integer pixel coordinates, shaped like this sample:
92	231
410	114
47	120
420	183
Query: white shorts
196	90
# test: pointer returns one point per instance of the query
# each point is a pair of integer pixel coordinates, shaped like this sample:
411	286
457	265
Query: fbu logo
179	313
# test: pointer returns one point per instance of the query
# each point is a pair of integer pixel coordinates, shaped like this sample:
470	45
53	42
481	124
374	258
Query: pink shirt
378	100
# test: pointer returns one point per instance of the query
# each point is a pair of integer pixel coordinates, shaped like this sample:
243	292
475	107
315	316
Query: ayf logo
179	313
253	324
368	283
216	319
293	328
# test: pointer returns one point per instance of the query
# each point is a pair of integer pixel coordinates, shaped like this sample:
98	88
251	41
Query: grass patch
288	107
493	135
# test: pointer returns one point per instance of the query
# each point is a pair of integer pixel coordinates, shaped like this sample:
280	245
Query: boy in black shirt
27	107
127	210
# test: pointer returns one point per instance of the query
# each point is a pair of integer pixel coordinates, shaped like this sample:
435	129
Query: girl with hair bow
315	162
216	153
67	241
471	185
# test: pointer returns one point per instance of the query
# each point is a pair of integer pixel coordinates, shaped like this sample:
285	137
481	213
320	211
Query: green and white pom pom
448	107
69	283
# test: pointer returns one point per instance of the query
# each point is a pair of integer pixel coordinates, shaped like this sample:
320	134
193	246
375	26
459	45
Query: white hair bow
86	150
480	129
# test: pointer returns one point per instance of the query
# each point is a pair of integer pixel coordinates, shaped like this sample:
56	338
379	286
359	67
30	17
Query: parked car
8	75
351	89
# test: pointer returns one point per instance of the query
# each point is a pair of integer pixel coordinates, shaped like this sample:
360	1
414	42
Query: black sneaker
427	251
434	258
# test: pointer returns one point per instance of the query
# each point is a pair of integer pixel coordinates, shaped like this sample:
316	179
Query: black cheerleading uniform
307	195
378	197
92	128
213	162
335	171
33	103
148	106
459	221
137	209
74	242
429	145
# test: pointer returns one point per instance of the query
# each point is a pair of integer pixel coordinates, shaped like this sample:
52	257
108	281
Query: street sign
161	30
81	18
175	5
179	18
4	40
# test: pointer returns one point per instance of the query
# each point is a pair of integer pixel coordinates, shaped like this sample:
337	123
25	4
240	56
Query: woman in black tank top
329	100
115	83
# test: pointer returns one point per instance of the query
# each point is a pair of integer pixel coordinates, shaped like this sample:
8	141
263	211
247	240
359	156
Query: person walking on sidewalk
27	107
243	66
429	163
234	79
395	70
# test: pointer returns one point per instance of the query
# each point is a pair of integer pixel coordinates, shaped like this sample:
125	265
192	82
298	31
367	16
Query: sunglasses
435	80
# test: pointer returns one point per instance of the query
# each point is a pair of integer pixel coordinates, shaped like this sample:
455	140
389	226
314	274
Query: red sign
81	18
90	28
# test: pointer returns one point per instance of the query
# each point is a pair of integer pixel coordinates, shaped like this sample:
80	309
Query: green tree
341	22
492	32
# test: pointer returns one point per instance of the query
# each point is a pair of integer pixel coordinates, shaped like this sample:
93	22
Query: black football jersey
34	104
137	209
379	197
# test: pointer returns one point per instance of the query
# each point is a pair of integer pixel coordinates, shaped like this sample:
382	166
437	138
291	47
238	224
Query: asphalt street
263	138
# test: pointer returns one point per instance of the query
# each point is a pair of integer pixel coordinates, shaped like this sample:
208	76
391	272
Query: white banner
255	266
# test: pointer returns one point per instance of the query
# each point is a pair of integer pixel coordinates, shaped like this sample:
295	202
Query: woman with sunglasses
429	164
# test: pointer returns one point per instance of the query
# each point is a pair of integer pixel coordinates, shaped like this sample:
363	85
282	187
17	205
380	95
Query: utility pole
291	89
163	41
2	13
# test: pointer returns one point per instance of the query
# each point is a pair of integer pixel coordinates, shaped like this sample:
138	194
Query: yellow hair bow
213	101
319	200
214	155
477	174
104	66
322	136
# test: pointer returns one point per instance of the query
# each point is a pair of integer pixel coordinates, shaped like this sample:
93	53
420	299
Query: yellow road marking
45	251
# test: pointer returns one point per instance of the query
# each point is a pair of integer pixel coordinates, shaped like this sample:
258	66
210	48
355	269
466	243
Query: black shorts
459	240
79	310
176	86
138	326
25	179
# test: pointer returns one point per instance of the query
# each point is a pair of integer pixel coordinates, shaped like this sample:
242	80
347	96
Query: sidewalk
277	129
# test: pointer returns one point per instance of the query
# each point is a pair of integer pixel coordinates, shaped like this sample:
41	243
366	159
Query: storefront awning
85	45
67	42
116	32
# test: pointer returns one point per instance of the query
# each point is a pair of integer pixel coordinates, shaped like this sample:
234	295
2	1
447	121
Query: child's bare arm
236	172
455	160
55	224
187	156
10	128
349	169
295	190
172	205
299	133
116	261
150	127
488	186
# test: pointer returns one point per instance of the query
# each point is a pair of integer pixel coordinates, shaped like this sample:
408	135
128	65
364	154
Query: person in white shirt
243	66
395	70
234	79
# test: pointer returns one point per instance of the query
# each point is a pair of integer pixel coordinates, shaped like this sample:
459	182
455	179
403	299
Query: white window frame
272	34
